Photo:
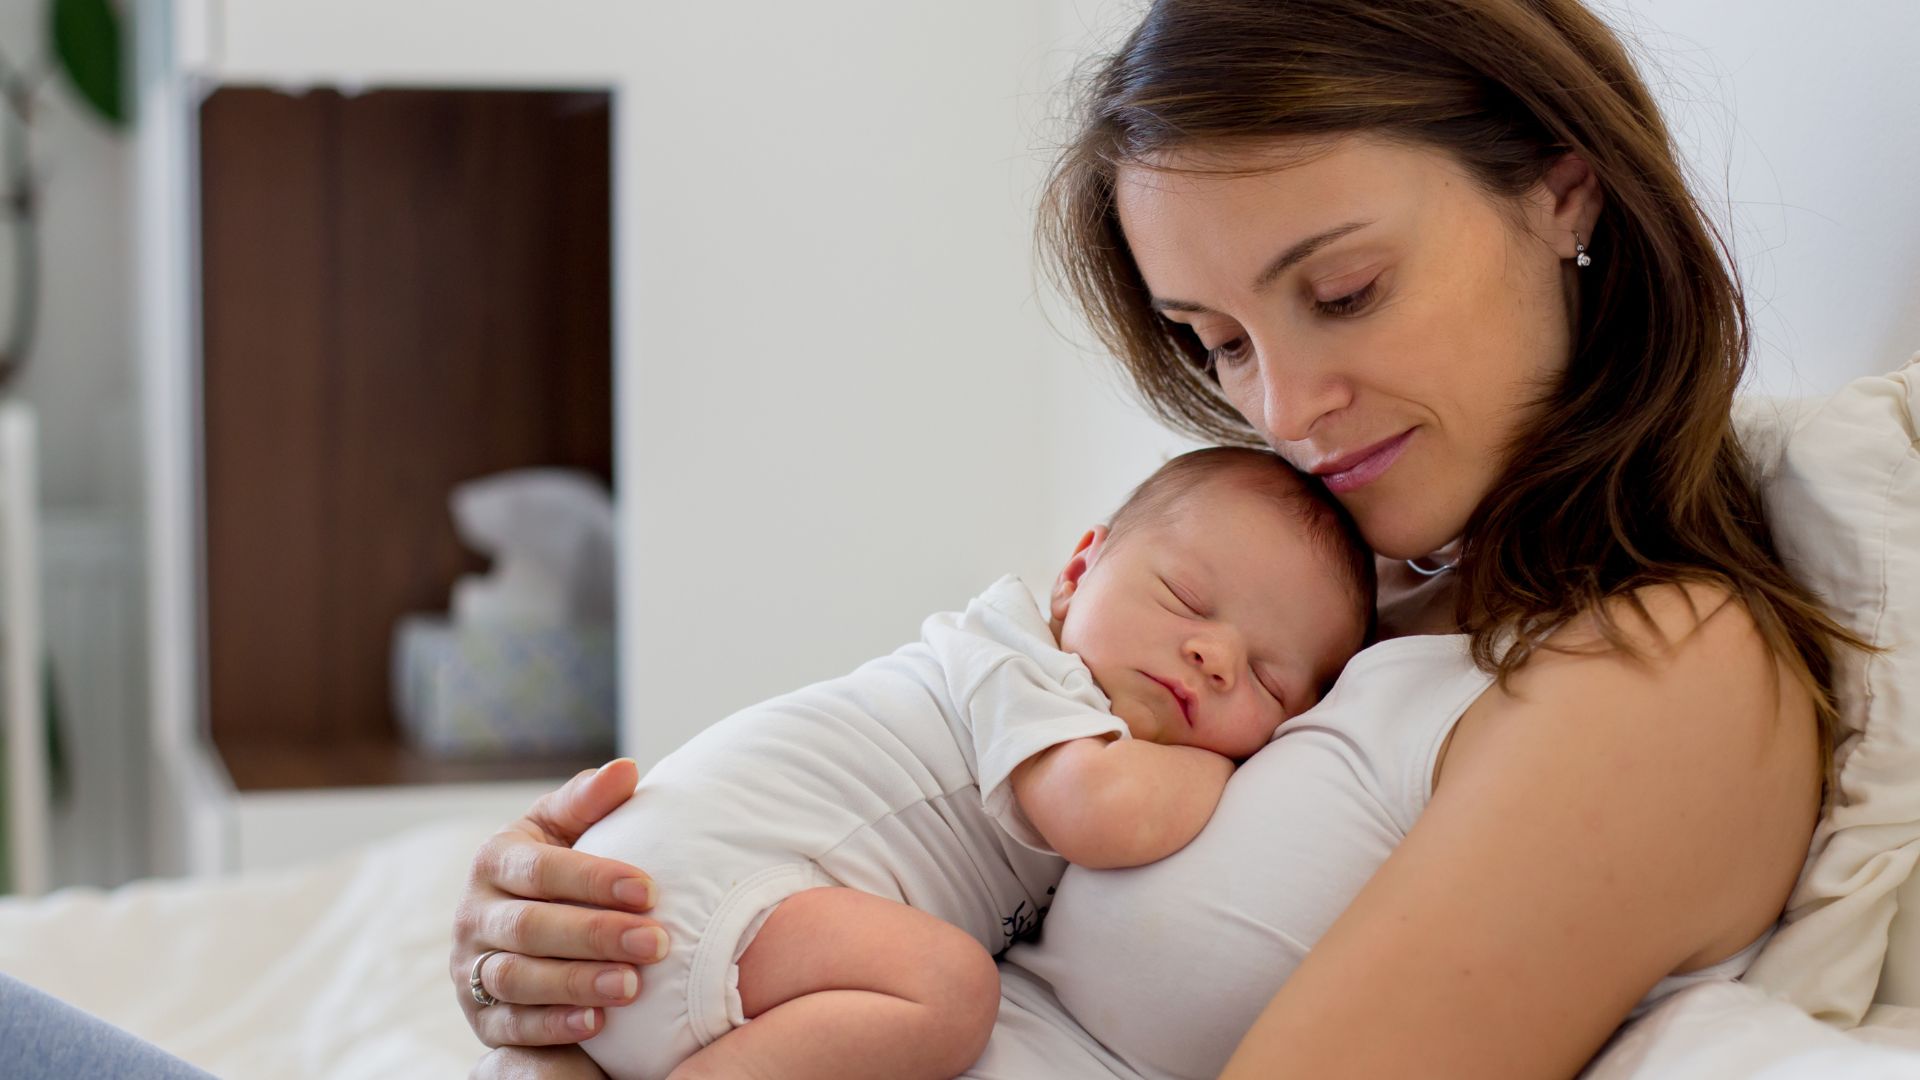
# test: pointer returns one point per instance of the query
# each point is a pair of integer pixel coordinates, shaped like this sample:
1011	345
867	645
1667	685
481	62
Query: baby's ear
1084	555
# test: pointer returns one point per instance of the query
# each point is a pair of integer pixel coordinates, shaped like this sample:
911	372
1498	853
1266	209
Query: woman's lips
1376	460
1179	698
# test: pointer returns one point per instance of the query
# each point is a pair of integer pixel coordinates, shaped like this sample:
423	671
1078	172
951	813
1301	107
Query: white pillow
1841	482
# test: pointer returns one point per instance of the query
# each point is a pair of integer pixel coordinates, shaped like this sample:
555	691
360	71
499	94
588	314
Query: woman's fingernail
582	1020
634	893
647	943
619	985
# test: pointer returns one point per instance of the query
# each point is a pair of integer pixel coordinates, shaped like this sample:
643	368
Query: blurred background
411	402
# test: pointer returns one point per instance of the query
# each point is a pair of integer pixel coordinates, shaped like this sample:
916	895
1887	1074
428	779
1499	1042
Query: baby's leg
843	984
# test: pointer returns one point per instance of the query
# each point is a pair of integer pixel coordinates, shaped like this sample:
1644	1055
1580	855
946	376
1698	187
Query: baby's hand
1106	804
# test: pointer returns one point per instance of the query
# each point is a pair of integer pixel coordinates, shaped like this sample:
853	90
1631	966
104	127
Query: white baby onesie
891	780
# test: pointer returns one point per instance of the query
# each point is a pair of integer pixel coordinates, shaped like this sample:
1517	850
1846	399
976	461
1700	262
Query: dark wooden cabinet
402	290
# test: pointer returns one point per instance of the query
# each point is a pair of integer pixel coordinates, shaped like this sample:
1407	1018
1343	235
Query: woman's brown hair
1630	464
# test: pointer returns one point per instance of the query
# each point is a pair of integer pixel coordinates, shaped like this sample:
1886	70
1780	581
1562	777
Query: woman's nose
1294	394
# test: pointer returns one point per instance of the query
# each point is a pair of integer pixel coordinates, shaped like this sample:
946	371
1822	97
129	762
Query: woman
1440	254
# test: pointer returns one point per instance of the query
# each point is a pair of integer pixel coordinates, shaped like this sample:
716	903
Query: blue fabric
44	1038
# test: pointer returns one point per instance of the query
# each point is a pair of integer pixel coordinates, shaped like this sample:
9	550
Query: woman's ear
1579	198
1571	201
1085	553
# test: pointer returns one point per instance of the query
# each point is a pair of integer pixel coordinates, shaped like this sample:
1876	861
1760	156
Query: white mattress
339	969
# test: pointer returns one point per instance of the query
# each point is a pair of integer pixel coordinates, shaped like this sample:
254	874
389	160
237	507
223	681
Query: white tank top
1169	964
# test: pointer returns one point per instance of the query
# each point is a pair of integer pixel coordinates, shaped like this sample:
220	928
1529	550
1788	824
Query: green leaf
86	39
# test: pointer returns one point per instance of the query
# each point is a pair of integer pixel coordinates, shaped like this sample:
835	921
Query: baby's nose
1214	662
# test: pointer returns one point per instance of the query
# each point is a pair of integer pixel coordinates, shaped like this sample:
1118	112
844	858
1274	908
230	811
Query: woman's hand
558	964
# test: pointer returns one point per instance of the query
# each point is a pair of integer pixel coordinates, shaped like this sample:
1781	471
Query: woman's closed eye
1235	351
1351	304
1230	354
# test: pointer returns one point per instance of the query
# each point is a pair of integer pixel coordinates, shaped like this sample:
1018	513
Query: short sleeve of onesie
1016	691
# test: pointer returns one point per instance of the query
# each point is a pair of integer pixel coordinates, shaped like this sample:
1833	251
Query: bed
339	969
332	969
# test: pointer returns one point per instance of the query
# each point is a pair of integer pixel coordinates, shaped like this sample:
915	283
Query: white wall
1801	122
841	415
1103	442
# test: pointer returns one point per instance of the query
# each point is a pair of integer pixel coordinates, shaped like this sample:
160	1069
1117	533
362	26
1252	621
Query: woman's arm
559	964
1600	824
1105	803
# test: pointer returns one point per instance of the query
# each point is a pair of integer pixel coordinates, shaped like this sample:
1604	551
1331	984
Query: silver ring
473	981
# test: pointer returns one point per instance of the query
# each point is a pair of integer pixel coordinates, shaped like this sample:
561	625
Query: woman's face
1371	310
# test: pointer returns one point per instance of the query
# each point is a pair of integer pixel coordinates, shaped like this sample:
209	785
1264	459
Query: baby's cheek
1254	731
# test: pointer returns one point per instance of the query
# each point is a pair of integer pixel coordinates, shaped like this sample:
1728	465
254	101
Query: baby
840	865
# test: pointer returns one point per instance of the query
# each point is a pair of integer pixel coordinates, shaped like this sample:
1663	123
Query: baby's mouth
1179	698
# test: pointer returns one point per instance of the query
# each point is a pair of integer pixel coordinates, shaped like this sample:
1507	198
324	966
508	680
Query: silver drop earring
1580	256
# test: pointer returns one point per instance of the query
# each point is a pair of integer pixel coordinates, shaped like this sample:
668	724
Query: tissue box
505	689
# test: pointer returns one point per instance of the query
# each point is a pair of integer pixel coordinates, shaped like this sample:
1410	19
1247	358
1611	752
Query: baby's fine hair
1303	496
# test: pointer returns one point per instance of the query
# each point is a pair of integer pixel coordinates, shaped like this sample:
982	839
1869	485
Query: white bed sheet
333	969
1723	1030
337	969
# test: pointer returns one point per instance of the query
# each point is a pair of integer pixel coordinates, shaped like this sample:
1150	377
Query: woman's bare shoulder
1605	822
1708	708
1700	626
1658	621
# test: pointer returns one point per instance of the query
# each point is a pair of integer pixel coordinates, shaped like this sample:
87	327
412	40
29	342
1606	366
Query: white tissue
550	533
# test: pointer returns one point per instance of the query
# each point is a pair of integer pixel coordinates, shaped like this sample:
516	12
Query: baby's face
1212	627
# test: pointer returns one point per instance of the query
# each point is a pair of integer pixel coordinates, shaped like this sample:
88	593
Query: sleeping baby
839	866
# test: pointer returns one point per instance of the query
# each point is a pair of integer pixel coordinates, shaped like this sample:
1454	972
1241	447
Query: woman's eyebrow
1303	249
1280	265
